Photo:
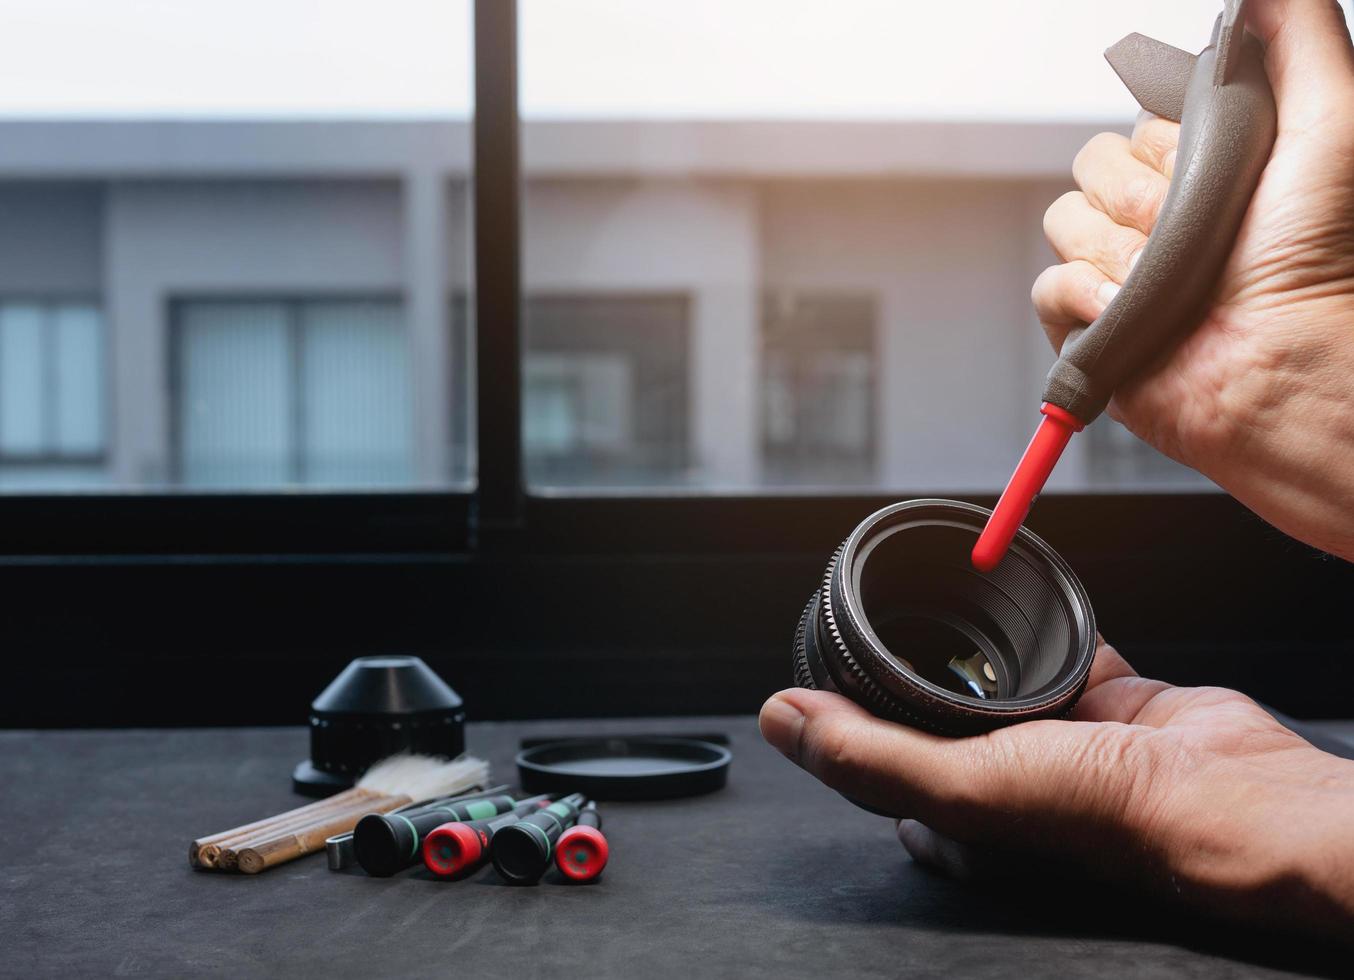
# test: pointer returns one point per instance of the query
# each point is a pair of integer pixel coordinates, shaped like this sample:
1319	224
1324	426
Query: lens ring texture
1030	618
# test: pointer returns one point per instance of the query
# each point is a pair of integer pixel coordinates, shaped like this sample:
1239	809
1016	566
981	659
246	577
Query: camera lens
904	625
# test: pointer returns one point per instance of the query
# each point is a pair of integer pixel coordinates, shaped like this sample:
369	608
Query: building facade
225	305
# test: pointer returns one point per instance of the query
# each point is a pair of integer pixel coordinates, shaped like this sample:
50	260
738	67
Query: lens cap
633	767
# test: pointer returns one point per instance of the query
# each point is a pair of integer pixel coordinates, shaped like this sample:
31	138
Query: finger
1017	787
1120	700
1115	411
931	850
1003	787
1308	59
1114	691
1077	230
1069	296
1154	142
1108	665
1119	184
890	767
969	862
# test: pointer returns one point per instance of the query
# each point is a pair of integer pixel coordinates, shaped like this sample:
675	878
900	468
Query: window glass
1115	457
76	380
51	394
818	388
853	213
356	417
305	392
239	280
606	389
24	339
234	412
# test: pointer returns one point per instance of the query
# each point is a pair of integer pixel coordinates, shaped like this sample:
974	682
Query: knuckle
1059	210
1153	138
1119	249
1045	287
1095	148
1080	282
1138	200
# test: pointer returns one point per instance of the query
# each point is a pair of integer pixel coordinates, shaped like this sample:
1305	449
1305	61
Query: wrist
1321	831
1239	847
1296	865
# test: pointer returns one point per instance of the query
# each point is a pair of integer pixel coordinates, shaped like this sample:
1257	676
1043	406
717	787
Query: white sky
993	59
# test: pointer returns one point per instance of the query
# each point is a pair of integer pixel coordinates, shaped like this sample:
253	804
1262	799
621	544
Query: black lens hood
901	587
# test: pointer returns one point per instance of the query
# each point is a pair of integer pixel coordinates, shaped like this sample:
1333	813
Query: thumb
958	785
1042	785
1308	58
897	770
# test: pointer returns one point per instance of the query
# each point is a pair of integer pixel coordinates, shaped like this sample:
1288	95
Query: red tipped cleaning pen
1041	455
581	851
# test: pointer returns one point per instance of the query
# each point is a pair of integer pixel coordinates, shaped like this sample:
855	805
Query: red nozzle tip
1041	455
451	848
992	544
581	853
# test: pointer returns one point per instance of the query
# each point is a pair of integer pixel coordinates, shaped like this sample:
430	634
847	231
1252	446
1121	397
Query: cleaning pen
581	851
386	843
458	847
1055	431
521	853
339	848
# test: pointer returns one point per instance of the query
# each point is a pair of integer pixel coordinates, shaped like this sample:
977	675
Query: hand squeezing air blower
1223	102
913	620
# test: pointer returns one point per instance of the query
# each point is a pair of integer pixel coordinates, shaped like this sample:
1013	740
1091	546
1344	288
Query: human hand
1195	794
1260	398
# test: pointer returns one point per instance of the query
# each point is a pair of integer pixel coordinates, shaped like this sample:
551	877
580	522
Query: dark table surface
773	876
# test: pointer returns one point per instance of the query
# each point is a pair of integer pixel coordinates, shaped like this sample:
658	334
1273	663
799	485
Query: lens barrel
905	626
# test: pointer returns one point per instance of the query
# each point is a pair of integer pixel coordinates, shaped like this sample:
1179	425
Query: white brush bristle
423	777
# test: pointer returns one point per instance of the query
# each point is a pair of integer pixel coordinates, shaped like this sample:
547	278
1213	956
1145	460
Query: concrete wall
698	238
51	238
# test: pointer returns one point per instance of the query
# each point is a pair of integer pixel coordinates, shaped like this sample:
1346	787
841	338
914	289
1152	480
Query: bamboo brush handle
266	853
292	819
328	801
354	810
203	852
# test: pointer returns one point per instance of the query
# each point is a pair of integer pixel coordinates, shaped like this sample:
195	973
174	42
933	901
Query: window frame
671	601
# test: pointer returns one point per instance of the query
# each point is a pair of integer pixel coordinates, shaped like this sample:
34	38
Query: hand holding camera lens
1195	794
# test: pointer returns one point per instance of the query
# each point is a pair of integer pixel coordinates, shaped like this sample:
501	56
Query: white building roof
113	148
